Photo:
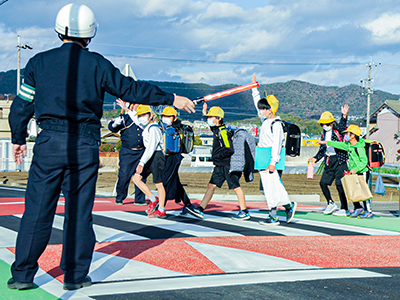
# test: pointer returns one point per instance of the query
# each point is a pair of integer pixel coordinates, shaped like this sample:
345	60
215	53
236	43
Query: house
5	131
387	129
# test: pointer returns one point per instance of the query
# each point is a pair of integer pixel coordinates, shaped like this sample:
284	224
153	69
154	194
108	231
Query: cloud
385	29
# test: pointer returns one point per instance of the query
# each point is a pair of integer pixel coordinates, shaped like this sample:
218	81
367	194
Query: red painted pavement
176	255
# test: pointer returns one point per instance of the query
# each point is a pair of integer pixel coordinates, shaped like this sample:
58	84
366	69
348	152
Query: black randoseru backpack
293	137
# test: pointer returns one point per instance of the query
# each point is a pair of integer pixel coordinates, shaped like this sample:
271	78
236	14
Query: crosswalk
116	226
118	268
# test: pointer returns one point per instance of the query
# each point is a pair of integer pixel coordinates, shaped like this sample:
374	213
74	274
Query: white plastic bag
274	191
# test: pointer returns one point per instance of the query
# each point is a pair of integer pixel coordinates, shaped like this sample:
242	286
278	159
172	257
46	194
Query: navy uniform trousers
128	161
68	163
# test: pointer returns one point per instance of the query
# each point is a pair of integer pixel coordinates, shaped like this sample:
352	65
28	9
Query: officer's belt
88	130
137	149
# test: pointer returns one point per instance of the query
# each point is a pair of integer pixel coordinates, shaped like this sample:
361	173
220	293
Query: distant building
387	129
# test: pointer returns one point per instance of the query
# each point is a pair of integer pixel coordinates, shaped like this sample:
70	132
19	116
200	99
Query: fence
396	176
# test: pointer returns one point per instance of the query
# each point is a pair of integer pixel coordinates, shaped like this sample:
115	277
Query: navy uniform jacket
68	84
131	134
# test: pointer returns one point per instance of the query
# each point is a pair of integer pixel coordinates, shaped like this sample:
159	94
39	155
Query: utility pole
369	92
19	46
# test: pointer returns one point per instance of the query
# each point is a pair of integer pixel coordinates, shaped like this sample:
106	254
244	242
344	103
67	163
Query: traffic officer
65	89
131	151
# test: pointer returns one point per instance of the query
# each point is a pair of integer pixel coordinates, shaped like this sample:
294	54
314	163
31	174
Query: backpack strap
273	122
338	135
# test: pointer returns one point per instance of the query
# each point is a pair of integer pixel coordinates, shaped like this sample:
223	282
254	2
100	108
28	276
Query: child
358	161
272	135
335	159
171	181
221	156
151	162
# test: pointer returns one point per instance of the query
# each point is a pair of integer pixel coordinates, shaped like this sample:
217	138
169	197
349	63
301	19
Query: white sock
152	198
161	209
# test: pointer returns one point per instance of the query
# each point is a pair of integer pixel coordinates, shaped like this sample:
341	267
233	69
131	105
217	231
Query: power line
206	61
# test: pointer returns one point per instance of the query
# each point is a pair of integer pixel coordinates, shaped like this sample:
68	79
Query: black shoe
140	203
15	285
75	286
119	202
195	211
290	212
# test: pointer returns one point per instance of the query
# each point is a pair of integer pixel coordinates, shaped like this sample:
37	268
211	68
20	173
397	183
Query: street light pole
19	46
369	92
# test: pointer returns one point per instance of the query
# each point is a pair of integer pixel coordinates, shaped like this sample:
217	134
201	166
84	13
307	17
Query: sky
323	42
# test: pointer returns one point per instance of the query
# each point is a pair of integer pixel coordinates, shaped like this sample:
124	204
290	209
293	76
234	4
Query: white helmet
76	20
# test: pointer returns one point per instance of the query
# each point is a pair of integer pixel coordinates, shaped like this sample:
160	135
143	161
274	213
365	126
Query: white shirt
268	138
152	140
329	149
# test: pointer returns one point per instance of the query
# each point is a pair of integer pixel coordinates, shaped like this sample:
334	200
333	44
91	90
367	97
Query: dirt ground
196	183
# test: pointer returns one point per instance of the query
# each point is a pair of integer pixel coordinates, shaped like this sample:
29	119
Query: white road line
283	230
103	234
191	229
7	237
181	283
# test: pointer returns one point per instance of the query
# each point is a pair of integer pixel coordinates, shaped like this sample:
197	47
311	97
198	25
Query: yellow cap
353	129
215	111
326	118
169	111
273	102
143	109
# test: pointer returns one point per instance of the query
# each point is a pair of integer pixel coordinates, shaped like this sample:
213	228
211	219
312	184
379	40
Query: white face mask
211	122
144	120
327	128
166	121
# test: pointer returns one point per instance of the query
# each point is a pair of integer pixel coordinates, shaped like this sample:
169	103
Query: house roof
392	104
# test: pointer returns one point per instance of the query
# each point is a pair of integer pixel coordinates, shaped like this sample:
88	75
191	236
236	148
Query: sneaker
74	286
366	215
184	212
290	212
357	212
140	203
331	207
158	214
241	216
270	221
119	202
341	213
152	206
196	212
15	285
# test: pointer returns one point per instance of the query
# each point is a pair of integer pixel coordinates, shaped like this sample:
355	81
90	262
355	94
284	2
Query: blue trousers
128	161
68	163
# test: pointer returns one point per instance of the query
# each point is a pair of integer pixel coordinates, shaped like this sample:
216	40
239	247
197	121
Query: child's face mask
166	121
212	122
327	128
144	120
347	137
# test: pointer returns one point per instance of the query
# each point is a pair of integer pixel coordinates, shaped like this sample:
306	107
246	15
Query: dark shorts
221	173
155	166
334	171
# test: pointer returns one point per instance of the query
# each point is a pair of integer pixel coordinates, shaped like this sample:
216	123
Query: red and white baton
225	93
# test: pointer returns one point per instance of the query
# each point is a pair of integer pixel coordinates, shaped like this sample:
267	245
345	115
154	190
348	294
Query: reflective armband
27	92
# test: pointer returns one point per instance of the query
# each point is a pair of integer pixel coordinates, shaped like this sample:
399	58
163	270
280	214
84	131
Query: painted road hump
136	254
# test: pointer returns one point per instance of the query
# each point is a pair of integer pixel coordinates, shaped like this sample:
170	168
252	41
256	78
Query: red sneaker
152	206
158	214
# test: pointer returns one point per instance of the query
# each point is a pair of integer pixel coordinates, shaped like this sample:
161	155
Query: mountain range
299	98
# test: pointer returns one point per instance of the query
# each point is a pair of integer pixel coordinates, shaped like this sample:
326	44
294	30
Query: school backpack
176	141
293	137
172	140
375	154
187	138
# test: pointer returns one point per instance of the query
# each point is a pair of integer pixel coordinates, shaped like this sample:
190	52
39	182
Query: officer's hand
121	103
184	103
19	151
139	169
